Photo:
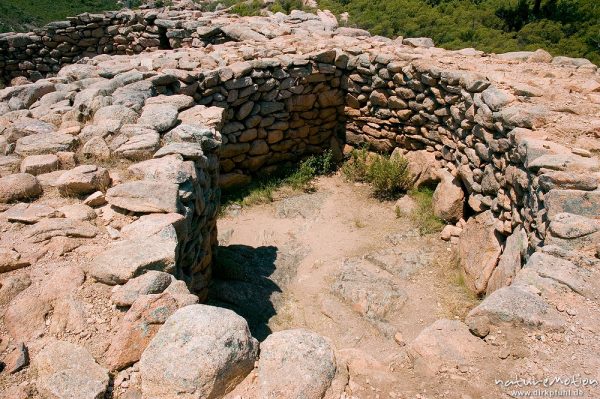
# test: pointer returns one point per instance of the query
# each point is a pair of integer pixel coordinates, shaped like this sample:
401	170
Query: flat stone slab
124	260
145	196
583	203
515	306
29	213
48	143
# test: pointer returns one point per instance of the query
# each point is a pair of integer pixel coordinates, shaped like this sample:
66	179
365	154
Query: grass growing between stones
389	176
423	215
459	300
263	190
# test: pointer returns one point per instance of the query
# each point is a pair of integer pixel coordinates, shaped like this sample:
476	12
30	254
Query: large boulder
170	168
200	352
295	364
83	179
24	96
29	213
119	113
478	251
423	168
19	186
23	127
583	203
68	371
60	227
418	42
151	282
136	142
160	117
554	275
210	117
449	199
39	164
148	225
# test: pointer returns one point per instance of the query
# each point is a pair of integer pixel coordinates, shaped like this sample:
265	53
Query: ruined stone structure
209	92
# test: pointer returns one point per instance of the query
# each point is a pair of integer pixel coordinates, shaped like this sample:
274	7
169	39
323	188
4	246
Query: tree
537	6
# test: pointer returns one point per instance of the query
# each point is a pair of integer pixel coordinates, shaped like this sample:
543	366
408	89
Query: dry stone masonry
135	120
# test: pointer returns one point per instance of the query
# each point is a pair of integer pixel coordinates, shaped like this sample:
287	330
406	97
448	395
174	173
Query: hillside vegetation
563	27
19	15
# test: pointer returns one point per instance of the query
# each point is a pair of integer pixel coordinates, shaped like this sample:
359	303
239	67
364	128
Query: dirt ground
344	265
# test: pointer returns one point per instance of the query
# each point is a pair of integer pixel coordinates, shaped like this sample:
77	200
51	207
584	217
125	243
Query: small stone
95	199
83	179
78	212
19	186
18	359
38	164
399	339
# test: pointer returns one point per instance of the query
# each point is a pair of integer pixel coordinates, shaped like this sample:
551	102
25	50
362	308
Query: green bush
423	215
389	176
300	177
562	27
22	15
311	167
247	9
356	169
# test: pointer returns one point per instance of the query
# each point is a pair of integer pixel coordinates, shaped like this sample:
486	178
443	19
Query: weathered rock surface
139	326
38	164
515	306
160	117
19	186
29	213
295	364
58	227
83	179
151	282
144	196
25	317
200	352
510	261
68	371
127	259
478	250
11	260
445	344
47	143
449	199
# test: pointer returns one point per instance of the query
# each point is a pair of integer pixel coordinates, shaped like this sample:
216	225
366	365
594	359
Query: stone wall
276	112
273	106
44	51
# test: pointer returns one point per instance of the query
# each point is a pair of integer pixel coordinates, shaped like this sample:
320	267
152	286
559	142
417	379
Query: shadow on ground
242	283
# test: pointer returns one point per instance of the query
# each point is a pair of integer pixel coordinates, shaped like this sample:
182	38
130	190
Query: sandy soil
360	276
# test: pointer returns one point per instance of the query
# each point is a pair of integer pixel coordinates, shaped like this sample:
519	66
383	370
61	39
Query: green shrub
262	190
423	215
355	169
247	9
311	167
389	176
